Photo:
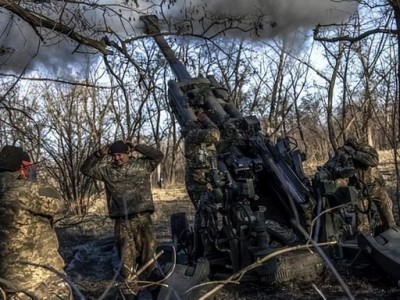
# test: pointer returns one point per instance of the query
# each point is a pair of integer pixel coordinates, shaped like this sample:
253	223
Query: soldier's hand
322	174
130	145
201	116
346	172
204	119
349	150
104	150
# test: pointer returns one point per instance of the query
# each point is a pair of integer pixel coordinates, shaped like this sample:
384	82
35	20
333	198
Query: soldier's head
119	151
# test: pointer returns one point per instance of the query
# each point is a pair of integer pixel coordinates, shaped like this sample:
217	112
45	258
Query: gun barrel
152	28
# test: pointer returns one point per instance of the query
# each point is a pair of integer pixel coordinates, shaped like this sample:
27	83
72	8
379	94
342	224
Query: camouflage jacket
128	187
200	154
28	242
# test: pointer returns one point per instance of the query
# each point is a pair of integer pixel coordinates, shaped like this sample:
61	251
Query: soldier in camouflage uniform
129	200
200	155
30	265
357	163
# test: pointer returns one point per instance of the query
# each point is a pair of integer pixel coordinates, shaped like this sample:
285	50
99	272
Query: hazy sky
278	18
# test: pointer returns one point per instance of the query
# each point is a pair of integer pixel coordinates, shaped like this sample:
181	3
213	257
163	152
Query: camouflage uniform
29	258
201	157
358	164
130	203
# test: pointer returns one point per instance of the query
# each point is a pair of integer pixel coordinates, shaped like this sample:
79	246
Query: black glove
349	150
323	174
345	172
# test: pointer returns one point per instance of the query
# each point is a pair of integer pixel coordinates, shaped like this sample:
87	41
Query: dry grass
167	202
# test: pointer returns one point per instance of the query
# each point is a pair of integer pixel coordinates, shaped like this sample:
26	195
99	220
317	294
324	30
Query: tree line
343	81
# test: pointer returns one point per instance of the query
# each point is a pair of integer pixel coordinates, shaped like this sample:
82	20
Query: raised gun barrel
188	94
153	29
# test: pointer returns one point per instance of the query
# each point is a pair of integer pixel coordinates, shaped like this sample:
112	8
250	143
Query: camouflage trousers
204	219
384	205
135	238
51	289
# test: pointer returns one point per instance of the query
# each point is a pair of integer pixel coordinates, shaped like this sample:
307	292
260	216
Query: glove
345	172
322	174
349	150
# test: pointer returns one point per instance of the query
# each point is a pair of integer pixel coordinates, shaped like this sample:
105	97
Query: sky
58	57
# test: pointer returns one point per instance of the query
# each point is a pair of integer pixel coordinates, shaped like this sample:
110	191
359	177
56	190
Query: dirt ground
75	232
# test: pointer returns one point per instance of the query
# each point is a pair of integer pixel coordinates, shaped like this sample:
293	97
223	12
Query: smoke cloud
272	17
21	48
53	55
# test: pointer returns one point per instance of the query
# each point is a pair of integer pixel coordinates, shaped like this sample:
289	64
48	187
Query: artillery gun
262	199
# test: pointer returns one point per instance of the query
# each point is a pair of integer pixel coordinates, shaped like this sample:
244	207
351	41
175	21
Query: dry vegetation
75	231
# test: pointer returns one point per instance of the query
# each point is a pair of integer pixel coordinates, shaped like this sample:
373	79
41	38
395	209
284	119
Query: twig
318	291
16	287
150	283
149	263
328	263
141	270
58	273
238	275
3	293
321	214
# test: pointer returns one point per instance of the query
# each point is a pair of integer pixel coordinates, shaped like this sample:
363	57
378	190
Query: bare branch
84	84
35	20
238	275
350	39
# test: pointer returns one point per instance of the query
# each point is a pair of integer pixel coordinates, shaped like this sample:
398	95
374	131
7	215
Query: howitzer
260	195
335	209
187	94
254	176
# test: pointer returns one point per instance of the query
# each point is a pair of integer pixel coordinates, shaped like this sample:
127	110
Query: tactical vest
204	158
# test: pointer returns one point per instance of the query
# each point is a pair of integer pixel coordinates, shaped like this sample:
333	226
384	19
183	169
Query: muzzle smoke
20	46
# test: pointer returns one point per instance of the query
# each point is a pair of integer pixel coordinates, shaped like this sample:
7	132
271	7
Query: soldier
130	202
357	162
200	154
30	265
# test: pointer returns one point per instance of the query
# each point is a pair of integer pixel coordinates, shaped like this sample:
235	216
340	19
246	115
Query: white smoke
259	19
21	47
26	51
